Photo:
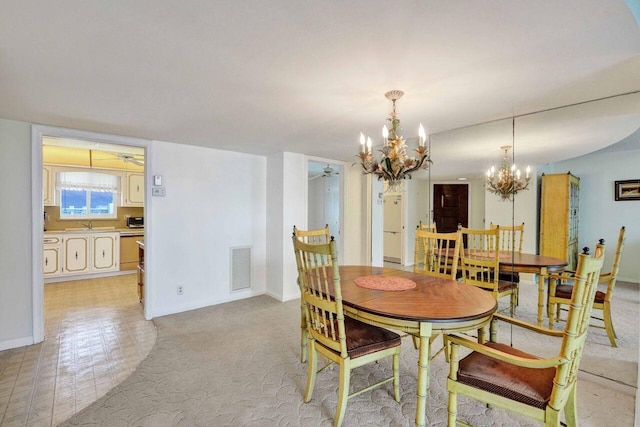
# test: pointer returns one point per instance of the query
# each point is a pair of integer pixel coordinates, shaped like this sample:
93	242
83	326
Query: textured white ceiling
262	77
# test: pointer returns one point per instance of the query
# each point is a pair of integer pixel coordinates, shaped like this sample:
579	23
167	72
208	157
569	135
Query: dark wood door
451	203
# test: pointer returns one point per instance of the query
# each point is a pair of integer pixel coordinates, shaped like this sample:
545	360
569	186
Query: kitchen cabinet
133	189
48	185
52	256
129	252
76	254
105	248
559	215
81	253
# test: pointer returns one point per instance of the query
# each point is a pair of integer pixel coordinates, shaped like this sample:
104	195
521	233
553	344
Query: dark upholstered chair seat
527	385
509	276
505	286
564	291
363	338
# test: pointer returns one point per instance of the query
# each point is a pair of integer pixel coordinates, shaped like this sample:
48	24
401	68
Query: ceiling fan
135	159
131	158
329	171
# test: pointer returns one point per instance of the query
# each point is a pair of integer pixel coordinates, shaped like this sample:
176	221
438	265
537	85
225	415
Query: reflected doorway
450	206
323	198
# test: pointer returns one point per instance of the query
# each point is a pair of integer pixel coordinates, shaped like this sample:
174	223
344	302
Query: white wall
15	243
354	202
215	200
600	215
286	207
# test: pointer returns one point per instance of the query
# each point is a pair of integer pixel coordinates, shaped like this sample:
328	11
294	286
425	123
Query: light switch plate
158	192
157	180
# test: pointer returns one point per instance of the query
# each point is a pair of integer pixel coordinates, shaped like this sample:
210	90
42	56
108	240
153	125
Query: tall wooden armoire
559	214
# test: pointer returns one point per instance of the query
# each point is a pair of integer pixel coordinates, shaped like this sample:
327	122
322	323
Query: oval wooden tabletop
533	260
433	299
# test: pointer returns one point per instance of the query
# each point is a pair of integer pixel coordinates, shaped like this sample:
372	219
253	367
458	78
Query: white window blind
88	181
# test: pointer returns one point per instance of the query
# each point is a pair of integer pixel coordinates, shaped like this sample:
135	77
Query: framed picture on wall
628	190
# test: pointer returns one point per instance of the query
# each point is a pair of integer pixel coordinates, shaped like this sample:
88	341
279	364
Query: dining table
541	265
416	304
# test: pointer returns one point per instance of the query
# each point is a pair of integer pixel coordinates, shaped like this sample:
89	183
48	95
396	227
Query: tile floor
95	336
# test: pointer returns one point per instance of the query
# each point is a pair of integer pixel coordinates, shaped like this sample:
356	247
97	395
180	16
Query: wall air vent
240	268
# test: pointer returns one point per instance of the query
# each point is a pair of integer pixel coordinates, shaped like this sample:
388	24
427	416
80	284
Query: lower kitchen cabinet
52	256
80	253
76	254
105	249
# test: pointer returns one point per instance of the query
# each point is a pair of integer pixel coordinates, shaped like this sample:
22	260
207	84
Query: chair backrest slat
436	254
319	278
575	332
510	238
479	259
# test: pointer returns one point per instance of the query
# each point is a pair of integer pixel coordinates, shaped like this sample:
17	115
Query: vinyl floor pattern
95	336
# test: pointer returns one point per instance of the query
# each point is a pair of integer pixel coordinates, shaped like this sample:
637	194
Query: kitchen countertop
123	231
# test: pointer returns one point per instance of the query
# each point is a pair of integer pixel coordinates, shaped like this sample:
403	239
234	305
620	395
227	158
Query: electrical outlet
180	290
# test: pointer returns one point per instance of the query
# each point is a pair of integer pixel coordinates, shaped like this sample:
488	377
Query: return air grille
240	268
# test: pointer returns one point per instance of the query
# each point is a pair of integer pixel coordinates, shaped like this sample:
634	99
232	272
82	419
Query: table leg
541	300
424	356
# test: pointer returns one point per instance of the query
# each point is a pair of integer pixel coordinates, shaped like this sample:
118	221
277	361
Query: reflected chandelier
507	182
394	165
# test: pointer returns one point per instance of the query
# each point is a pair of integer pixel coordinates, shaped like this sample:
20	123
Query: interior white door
392	227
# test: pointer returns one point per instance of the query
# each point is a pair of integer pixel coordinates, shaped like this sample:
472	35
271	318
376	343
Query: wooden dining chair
343	340
428	227
313	237
480	264
436	254
560	295
510	240
539	388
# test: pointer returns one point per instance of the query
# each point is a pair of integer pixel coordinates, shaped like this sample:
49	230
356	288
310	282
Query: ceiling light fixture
394	165
507	182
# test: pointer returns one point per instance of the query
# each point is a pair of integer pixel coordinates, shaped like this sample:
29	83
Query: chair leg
553	313
396	377
303	335
452	409
416	341
303	344
312	369
343	391
608	324
571	408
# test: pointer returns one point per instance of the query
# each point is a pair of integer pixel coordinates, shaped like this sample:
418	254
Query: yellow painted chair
313	237
560	295
343	340
480	264
505	377
436	254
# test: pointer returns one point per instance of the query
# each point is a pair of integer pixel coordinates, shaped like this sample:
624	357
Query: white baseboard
15	343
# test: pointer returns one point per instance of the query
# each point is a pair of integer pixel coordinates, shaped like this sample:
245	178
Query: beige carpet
237	364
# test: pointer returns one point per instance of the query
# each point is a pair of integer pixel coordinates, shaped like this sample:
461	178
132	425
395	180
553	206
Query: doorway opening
324	198
450	206
88	200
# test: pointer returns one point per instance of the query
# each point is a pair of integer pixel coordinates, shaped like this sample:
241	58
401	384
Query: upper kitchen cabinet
133	189
48	186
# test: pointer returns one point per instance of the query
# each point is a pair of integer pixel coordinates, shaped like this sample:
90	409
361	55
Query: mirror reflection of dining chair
313	237
480	264
509	378
560	295
510	240
342	340
437	255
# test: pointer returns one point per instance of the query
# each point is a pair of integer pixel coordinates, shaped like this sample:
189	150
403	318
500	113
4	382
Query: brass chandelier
507	181
394	165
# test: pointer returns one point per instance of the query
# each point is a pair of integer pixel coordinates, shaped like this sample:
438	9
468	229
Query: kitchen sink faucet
89	225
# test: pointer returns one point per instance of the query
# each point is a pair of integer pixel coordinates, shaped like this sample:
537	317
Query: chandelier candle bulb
394	165
362	142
